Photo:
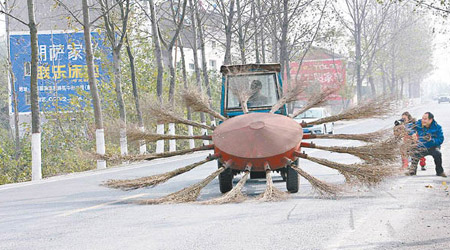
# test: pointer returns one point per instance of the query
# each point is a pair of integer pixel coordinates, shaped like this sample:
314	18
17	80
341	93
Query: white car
314	114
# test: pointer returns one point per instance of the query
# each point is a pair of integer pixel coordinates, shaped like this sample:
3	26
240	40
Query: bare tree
143	147
116	38
160	68
177	17
366	41
98	116
12	80
35	115
201	39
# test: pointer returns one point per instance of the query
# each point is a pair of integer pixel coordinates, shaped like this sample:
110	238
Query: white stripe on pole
36	170
191	133
143	144
100	143
123	141
172	143
160	143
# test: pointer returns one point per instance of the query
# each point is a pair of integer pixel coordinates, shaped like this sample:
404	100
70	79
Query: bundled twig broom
233	196
135	134
142	157
243	93
323	188
198	102
367	137
289	96
151	181
315	101
188	194
387	150
375	108
168	116
365	174
272	193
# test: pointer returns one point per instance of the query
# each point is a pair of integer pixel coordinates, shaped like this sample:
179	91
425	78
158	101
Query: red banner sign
327	73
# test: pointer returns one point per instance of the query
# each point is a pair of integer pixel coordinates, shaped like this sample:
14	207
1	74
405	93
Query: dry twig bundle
135	134
151	181
198	102
188	194
315	101
375	108
272	193
168	116
365	174
367	137
289	96
243	93
324	189
142	157
387	150
233	196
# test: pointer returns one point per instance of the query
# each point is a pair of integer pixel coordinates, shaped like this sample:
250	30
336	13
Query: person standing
429	138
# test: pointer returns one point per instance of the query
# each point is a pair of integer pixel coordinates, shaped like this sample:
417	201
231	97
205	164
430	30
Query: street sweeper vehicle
256	136
255	140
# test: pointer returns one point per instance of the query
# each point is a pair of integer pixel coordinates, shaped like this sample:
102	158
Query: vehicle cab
242	78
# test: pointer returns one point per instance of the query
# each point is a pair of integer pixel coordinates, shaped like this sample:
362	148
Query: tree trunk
13	88
195	54
359	79
185	84
228	33
171	76
98	116
35	115
261	32
402	84
142	144
240	32
255	23
204	61
159	77
275	58
120	102
283	43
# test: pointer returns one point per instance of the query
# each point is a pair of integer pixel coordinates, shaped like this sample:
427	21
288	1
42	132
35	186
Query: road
75	212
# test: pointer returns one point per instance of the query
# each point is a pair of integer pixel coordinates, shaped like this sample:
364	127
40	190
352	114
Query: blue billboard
62	70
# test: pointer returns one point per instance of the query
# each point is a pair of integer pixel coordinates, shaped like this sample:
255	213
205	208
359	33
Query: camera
398	122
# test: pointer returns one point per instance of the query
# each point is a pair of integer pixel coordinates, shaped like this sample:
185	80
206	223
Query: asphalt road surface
75	212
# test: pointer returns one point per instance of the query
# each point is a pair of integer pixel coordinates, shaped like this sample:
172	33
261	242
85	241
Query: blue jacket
434	131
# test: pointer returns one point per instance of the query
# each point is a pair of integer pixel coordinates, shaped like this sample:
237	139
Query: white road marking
99	205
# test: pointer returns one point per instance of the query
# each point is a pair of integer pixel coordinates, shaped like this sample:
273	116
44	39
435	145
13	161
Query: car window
262	96
311	114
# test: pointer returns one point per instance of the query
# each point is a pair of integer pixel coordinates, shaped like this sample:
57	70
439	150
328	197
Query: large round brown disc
257	135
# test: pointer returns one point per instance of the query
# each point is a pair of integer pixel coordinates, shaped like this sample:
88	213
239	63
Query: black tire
225	179
291	180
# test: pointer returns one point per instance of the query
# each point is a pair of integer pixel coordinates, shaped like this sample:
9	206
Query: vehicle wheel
291	180
225	179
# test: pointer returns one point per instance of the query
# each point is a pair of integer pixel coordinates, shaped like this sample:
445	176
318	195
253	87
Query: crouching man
429	137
